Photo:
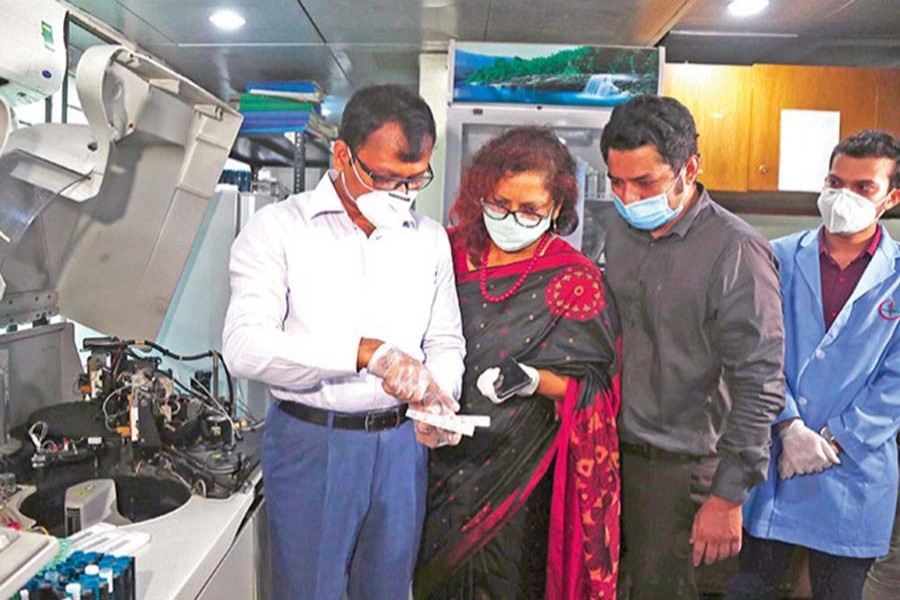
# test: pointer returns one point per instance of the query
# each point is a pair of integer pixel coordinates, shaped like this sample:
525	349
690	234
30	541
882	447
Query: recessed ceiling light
227	20
747	8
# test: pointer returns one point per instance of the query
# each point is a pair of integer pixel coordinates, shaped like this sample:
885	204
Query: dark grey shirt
702	341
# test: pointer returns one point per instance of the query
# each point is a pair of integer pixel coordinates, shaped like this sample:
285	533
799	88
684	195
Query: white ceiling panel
187	21
398	21
822	32
370	64
117	16
636	23
846	18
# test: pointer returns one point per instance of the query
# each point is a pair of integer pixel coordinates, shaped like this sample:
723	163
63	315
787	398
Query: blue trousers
345	509
764	562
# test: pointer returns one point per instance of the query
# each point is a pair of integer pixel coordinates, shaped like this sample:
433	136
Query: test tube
74	590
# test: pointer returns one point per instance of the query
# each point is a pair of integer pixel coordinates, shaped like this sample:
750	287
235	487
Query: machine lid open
106	214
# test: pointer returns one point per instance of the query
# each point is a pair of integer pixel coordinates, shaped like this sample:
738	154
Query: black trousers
660	497
764	562
883	582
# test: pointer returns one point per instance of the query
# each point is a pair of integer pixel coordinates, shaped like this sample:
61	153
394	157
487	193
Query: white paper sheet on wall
807	139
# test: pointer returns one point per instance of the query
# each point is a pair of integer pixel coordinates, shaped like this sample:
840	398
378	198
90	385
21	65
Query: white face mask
512	237
845	212
385	210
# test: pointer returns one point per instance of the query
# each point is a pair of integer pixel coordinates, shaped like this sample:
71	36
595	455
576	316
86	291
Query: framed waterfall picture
496	73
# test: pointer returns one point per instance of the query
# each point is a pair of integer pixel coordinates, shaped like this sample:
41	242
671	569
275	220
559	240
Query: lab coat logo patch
888	311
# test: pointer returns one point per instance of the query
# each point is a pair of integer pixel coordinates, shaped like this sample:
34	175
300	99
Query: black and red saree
530	508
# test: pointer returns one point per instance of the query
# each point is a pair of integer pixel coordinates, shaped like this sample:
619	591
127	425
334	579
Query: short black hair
664	123
871	144
372	107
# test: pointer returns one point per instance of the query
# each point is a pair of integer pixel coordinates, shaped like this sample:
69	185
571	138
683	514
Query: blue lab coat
849	379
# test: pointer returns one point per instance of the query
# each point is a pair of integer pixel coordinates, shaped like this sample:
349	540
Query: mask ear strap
347	189
353	163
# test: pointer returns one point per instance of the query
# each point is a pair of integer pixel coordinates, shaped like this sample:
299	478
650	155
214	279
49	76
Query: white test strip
476	420
462	424
448	422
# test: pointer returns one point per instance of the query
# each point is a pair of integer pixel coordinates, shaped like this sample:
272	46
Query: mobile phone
512	379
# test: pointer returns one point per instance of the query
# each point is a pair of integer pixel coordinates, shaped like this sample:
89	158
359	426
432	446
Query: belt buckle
369	422
378	421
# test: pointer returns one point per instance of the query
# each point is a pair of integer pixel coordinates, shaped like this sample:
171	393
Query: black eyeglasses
526	217
387	183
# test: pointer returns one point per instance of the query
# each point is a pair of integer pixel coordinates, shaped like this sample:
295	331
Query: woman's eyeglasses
525	217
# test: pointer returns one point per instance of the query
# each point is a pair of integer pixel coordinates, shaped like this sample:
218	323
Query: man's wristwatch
829	437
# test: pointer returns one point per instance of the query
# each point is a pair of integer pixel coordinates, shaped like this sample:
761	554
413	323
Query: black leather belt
654	453
379	420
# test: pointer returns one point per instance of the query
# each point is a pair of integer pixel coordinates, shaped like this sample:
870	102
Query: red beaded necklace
515	287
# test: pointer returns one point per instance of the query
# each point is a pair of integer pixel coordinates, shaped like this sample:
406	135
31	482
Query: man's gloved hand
805	451
490	376
436	402
406	378
435	437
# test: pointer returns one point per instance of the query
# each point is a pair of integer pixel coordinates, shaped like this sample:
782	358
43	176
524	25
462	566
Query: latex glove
805	451
435	402
406	378
486	381
435	437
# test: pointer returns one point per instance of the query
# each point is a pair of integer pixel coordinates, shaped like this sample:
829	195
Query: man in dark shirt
835	486
702	341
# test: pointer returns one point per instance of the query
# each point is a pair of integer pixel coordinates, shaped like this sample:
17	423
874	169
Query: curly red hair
518	150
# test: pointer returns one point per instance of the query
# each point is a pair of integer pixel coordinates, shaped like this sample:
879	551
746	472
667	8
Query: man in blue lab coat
832	485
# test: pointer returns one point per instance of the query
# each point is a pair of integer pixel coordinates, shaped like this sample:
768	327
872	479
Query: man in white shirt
343	300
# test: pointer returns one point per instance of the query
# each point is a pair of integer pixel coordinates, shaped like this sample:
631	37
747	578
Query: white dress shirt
307	285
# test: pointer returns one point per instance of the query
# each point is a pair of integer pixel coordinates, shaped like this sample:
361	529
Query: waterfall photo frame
537	74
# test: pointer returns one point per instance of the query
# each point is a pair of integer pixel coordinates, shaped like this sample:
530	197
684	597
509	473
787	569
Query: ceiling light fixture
734	34
227	20
747	8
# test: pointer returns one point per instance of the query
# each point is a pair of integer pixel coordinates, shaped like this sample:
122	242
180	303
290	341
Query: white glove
435	402
435	437
486	380
406	378
805	451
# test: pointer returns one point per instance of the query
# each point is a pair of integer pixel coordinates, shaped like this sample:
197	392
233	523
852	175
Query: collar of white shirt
324	199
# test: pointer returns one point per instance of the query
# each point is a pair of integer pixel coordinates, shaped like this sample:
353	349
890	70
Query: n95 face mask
845	212
385	210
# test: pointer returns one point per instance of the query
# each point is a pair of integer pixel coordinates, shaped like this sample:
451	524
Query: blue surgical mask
650	213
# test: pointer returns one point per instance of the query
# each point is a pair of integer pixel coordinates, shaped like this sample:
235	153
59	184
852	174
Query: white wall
433	87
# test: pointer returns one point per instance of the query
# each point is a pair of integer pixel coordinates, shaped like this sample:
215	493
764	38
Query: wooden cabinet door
852	91
718	97
887	116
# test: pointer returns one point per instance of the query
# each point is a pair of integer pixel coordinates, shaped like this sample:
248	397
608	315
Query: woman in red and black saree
529	508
